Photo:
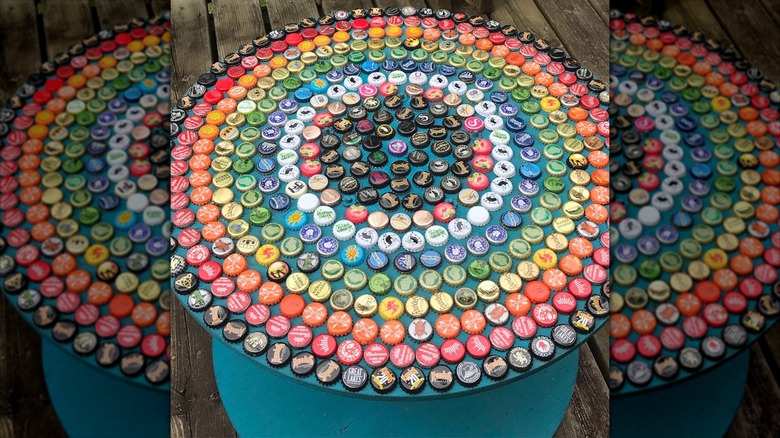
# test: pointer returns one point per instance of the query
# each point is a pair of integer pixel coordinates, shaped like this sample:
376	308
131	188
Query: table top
215	246
689	296
224	21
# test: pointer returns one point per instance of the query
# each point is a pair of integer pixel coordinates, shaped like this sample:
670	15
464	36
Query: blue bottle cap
498	97
530	171
310	233
405	262
377	261
520	204
682	219
327	246
626	253
95	165
478	246
139	233
691	204
648	245
430	258
98	184
269	184
666	234
351	69
447	70
279	202
108	202
523	139
294	219
511	220
515	124
156	246
455	253
496	235
353	255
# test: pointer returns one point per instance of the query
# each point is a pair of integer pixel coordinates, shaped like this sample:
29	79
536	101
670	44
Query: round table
695	219
84	183
395	205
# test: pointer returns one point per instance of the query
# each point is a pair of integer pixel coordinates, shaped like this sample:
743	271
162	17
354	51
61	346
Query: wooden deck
32	31
750	27
581	27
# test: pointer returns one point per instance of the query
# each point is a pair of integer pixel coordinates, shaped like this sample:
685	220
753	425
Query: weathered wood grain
753	31
191	48
599	346
696	15
111	12
526	17
602	9
588	413
758	415
25	409
66	22
582	32
160	5
329	6
281	12
19	37
236	22
400	3
196	408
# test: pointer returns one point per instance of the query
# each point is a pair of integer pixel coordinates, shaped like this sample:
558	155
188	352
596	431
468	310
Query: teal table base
91	403
260	403
702	406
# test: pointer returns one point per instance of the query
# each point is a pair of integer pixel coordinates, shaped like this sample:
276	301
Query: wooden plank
527	18
582	32
25	409
19	39
66	22
696	15
400	3
191	48
281	12
599	346
112	12
602	9
466	7
753	31
236	22
196	408
329	6
588	413
771	346
160	5
758	414
772	8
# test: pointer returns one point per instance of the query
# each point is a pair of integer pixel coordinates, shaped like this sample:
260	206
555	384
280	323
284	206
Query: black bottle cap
400	185
334	171
418	158
439	166
235	330
108	354
64	331
495	367
433	195
354	378
468	373
423	178
400	168
368	196
359	169
278	354
215	316
389	201
185	283
308	262
132	363
377	158
383	380
255	343
303	363
441	378
328	372
412	380
412	202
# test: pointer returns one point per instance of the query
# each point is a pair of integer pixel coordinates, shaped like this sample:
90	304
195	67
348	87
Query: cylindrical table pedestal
701	406
261	403
91	403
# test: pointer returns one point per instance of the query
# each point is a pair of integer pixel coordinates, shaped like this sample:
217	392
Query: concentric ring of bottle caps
695	176
394	197
84	189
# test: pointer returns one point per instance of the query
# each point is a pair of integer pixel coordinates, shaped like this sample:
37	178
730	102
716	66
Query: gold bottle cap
365	306
297	283
680	282
320	291
416	306
657	290
527	270
441	302
488	291
510	282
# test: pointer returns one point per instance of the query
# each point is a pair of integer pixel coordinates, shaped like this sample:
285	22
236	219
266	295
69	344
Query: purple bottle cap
520	204
626	253
478	245
648	245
